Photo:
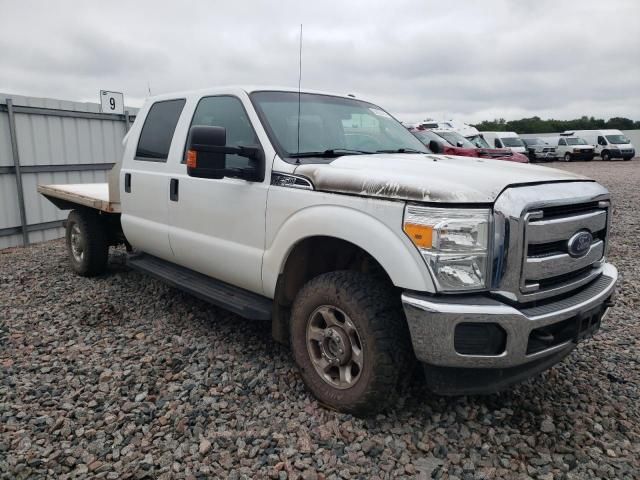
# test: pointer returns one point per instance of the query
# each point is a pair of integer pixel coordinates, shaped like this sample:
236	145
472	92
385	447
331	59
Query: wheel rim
77	243
334	346
567	157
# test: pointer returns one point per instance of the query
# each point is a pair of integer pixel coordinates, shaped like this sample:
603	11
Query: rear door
144	191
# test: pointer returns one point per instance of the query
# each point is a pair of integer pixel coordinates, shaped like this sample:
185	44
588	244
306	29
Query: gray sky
440	59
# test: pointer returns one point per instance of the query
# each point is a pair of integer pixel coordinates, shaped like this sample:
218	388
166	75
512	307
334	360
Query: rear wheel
351	342
87	243
567	157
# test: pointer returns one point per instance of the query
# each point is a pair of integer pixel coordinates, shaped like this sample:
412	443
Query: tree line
538	125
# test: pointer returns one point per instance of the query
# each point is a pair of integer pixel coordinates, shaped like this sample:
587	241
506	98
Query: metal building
47	141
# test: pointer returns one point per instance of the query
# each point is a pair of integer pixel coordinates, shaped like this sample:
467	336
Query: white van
505	140
608	144
570	147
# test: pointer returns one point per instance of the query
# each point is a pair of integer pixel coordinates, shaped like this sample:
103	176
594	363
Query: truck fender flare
392	250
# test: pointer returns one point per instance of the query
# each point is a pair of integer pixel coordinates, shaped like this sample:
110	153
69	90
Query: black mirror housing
207	152
435	147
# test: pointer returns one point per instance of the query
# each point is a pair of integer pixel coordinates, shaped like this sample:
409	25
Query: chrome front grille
547	260
533	227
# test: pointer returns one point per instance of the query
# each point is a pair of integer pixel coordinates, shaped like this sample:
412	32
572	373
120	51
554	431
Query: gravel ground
124	377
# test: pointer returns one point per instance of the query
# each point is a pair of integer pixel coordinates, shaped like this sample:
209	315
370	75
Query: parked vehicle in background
469	132
365	252
570	148
505	140
450	142
539	150
608	144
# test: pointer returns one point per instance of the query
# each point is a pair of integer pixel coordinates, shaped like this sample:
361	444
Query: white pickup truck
368	254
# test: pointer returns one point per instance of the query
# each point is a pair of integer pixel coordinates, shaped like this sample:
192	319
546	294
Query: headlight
454	244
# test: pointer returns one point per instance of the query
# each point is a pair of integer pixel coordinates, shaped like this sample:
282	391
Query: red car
450	142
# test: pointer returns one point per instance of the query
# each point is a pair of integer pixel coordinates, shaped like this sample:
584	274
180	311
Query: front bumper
617	153
546	155
584	155
433	320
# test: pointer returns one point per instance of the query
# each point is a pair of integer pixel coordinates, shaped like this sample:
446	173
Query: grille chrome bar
555	229
518	216
539	268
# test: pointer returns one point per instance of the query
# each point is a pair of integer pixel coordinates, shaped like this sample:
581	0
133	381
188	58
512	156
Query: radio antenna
299	84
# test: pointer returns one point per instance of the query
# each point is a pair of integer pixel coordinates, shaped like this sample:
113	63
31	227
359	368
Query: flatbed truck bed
92	195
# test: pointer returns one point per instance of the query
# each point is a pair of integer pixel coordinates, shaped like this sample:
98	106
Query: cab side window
227	112
562	142
157	131
601	140
497	143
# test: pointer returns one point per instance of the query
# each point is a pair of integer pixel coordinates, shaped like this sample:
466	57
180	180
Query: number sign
111	102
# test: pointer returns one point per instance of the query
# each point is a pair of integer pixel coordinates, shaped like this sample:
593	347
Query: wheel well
309	258
109	221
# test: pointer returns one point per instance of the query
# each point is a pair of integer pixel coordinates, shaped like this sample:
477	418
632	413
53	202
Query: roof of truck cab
239	89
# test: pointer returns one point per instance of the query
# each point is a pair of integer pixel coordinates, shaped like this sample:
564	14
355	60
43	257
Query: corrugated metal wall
77	148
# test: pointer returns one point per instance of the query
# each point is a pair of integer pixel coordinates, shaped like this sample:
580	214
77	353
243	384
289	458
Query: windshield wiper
330	153
400	150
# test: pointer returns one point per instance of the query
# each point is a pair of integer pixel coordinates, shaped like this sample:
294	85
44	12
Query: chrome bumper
432	323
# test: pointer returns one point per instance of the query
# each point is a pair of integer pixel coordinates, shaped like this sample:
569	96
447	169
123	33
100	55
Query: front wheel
605	156
350	341
87	243
567	157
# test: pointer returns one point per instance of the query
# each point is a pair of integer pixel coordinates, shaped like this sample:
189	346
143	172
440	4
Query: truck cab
369	255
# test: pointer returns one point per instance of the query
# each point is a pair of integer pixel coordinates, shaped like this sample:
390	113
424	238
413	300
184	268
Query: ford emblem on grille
578	245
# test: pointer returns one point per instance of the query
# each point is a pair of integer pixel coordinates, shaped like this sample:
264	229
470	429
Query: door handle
173	190
127	182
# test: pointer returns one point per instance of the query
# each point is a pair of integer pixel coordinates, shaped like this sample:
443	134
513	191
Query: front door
217	226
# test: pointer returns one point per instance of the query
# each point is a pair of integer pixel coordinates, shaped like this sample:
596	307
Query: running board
242	302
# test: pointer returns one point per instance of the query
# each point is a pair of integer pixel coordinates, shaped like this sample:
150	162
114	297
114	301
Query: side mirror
435	147
207	155
459	144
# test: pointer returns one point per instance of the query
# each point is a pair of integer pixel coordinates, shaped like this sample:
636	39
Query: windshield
454	138
330	126
532	141
618	139
427	135
512	142
478	141
575	141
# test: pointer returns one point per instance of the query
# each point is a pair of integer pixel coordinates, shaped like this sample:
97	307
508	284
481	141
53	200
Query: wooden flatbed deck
93	195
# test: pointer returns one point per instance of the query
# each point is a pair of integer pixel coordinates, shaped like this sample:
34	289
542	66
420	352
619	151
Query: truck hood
426	178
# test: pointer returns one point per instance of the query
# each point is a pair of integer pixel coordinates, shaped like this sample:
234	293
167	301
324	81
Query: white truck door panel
217	226
145	214
144	180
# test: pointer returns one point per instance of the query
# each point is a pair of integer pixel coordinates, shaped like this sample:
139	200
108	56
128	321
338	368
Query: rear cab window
158	129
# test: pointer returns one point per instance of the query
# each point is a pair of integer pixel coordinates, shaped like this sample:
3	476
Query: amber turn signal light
420	235
192	158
